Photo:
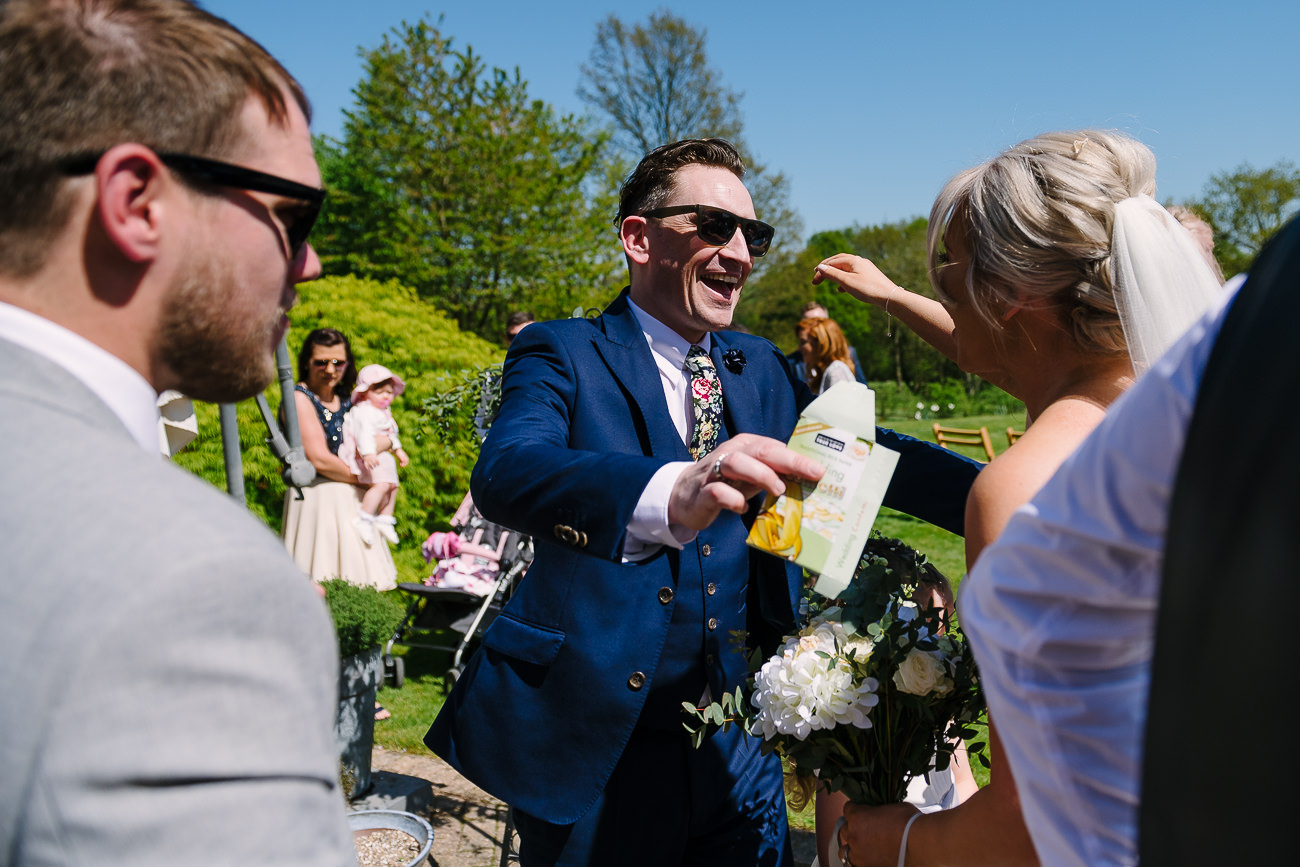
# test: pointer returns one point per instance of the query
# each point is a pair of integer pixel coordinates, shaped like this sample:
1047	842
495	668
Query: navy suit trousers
668	804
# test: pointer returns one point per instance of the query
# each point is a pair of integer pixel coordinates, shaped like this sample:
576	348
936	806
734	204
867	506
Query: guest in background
815	310
318	527
825	354
516	322
1201	233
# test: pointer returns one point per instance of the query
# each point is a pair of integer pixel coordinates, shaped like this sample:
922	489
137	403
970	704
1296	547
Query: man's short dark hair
519	317
80	76
651	182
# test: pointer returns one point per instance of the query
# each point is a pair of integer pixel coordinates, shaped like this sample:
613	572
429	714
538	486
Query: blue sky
869	107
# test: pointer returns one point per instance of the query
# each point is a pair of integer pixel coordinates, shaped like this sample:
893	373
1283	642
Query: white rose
862	646
922	673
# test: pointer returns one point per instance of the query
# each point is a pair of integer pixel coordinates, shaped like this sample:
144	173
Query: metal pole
230	446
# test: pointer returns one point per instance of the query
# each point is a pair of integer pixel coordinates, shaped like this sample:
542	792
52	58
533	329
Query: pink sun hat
373	374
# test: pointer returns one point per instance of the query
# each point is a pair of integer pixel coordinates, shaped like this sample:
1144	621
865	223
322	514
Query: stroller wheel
395	668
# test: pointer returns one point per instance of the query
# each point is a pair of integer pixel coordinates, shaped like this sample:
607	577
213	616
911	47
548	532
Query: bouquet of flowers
875	688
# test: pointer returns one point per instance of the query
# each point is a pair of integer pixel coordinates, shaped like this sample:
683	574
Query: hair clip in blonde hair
1079	144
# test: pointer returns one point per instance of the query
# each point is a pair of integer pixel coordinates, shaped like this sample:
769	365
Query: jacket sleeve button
636	681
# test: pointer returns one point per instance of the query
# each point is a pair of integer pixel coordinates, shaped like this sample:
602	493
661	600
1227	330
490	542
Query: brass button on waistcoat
708	659
665	595
570	536
706	550
636	681
711	588
713	623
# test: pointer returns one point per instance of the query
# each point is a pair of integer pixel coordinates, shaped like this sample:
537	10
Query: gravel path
467	822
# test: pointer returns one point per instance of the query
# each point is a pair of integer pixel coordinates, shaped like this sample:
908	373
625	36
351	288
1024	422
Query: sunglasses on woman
322	363
297	226
716	226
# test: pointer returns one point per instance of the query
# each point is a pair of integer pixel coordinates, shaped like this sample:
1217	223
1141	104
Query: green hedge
388	325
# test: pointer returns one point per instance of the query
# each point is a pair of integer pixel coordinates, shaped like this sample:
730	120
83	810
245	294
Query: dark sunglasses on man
716	226
216	173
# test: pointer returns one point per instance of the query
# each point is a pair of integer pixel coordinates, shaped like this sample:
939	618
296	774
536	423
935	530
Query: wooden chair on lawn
1013	435
964	437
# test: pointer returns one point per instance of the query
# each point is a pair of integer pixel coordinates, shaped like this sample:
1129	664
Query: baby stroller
475	571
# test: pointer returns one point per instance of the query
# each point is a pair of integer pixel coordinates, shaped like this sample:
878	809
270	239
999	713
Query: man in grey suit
169	675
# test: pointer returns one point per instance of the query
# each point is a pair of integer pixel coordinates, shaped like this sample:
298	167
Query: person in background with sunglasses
317	526
171	676
630	446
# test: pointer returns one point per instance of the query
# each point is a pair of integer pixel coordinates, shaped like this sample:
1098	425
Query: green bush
364	618
388	325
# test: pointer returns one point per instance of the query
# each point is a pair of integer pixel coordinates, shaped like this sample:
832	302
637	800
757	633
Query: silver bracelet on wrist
902	847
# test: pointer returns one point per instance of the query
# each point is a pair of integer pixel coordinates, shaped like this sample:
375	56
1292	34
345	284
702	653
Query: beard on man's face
214	351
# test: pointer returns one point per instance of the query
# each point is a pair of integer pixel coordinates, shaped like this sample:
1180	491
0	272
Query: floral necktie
706	396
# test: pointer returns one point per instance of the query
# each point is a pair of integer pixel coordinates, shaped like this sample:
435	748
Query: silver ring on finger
715	475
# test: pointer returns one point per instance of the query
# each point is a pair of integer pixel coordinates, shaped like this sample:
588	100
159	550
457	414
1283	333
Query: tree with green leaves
654	84
888	351
1246	207
452	180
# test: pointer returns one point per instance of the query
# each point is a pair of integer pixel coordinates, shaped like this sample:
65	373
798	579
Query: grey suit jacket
169	676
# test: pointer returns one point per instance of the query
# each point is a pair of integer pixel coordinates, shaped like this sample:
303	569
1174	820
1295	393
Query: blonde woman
1059	279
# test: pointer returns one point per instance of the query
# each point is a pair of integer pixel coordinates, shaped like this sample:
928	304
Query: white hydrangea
799	691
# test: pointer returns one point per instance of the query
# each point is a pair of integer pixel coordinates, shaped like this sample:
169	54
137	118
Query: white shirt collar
128	394
664	342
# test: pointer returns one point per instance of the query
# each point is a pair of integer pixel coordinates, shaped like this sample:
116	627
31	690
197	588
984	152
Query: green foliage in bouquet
364	618
875	688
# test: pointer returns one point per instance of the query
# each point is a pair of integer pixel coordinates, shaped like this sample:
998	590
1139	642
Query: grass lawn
416	704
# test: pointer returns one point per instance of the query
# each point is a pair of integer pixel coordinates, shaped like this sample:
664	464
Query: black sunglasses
221	174
717	227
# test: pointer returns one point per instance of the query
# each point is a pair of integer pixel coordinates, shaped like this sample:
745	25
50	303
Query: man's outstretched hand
749	464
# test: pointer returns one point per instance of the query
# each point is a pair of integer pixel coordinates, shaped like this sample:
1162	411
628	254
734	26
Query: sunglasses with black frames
217	173
716	226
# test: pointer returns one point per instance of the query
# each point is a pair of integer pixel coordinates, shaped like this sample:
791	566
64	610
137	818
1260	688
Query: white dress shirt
649	529
1060	610
128	394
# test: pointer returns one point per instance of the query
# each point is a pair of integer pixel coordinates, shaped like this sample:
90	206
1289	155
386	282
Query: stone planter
395	820
354	727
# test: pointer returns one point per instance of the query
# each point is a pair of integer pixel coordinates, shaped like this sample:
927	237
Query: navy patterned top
330	420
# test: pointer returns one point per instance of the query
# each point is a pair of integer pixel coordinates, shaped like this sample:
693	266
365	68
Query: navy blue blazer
542	713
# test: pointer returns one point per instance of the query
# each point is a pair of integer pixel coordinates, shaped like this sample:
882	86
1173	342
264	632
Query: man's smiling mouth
723	284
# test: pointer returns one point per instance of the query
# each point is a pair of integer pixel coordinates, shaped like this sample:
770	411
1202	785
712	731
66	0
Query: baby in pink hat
369	417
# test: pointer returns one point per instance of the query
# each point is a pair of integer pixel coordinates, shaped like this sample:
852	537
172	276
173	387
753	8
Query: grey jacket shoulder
176	671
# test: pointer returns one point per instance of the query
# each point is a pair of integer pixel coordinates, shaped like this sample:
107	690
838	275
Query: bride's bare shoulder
1014	476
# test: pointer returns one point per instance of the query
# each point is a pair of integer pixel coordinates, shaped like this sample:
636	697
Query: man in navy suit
643	594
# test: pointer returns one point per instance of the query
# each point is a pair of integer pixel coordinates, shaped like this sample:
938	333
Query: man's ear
636	244
132	183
